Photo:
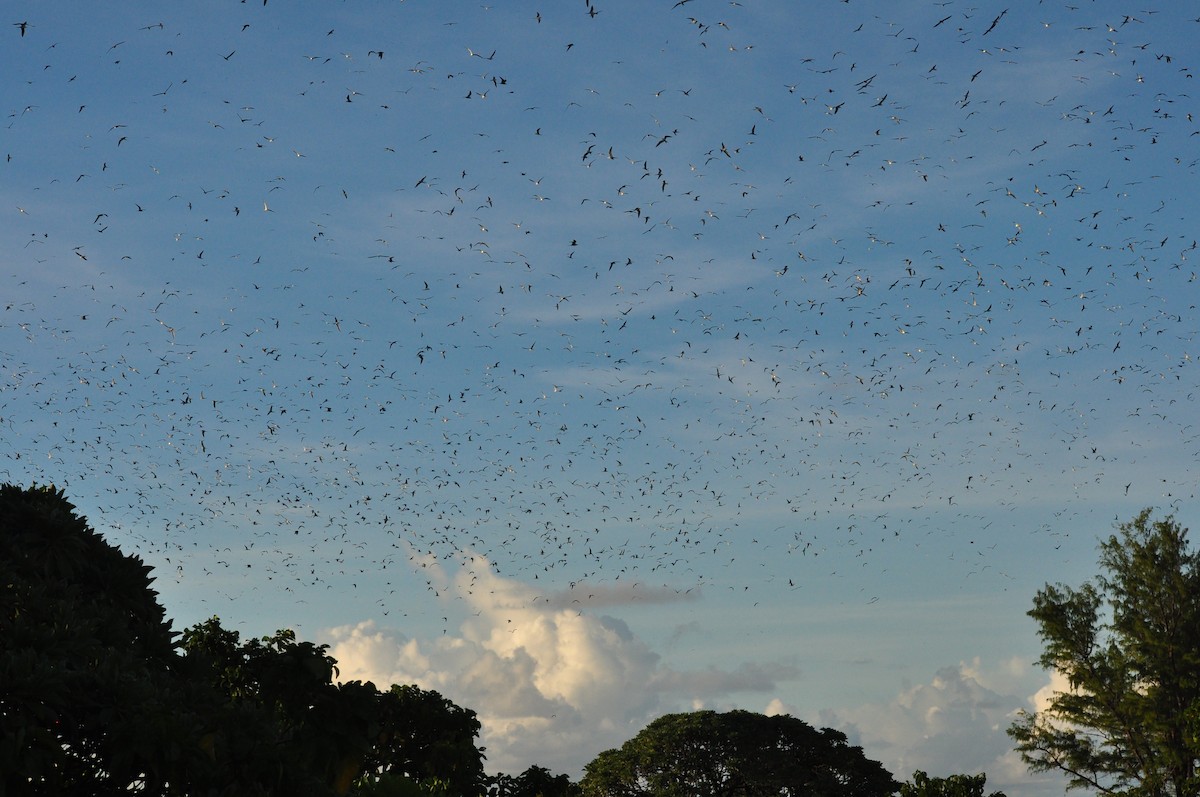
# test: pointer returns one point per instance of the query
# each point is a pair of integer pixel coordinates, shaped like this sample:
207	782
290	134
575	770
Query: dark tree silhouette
1129	646
738	753
98	697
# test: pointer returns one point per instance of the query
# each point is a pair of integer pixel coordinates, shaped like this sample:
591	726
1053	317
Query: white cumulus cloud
552	684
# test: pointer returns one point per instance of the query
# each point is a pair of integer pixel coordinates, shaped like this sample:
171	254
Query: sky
590	362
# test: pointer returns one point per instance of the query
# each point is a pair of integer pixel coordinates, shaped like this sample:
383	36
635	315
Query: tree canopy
1129	648
275	722
99	696
425	736
533	782
922	785
89	698
735	753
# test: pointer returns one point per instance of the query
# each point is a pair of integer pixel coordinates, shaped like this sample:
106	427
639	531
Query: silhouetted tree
533	782
90	698
922	785
424	736
704	753
277	723
1129	647
97	697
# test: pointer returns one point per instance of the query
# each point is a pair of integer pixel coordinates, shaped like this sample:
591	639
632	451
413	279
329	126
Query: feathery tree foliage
1129	648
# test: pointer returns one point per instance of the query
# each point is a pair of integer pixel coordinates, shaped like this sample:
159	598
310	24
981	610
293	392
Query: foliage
425	736
392	784
533	782
88	689
538	782
735	753
98	698
1129	647
277	722
922	785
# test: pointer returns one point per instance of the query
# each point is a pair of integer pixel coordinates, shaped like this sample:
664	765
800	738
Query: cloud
553	685
596	595
1058	683
746	677
954	724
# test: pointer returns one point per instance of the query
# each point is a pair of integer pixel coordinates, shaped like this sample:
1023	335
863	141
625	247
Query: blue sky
587	367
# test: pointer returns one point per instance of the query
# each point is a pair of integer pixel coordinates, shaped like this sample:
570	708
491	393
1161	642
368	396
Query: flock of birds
700	294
